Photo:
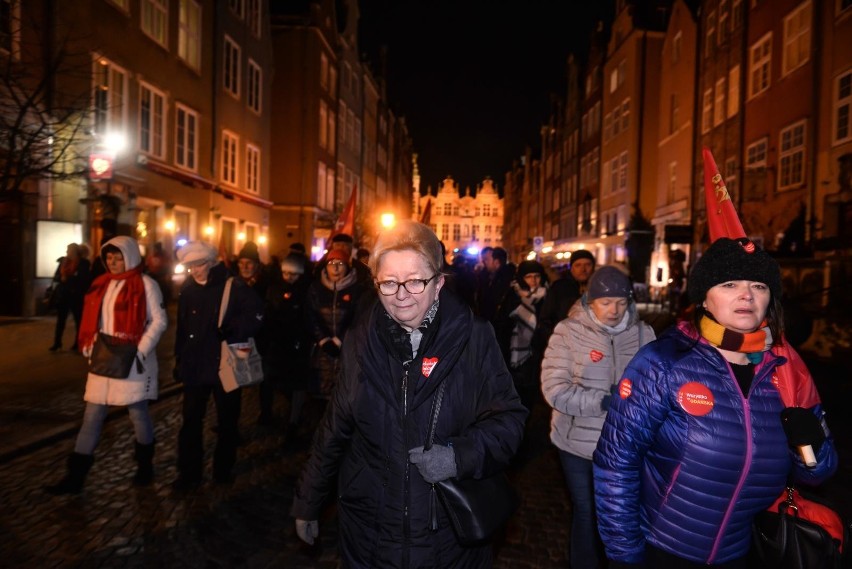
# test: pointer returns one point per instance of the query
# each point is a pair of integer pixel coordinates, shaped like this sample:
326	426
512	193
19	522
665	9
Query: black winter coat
197	339
284	341
381	409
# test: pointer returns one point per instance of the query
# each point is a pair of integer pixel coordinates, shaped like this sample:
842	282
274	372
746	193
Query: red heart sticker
428	365
625	388
596	356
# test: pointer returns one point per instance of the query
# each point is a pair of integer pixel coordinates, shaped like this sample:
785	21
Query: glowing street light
208	230
388	220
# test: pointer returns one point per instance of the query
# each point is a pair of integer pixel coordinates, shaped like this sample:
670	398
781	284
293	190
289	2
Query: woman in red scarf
127	305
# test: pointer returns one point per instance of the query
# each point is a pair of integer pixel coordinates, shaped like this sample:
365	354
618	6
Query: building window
155	20
731	176
448	209
760	59
723	22
231	75
710	34
110	93
625	115
237	8
736	14
707	111
152	121
332	82
255	86
357	139
445	232
797	38
842	108
607	127
486	210
329	186
253	16
456	232
719	107
350	128
324	71
332	131
252	168
792	156
734	91
676	47
673	111
616	120
189	33
622	173
322	181
756	155
230	144
323	124
670	198
186	138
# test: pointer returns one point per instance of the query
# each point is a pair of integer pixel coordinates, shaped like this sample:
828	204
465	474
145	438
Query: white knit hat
195	252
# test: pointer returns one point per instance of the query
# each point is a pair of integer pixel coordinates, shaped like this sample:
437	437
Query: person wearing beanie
331	307
585	357
285	343
197	349
701	418
562	295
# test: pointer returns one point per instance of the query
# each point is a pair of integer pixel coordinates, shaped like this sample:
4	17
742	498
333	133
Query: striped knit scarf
752	344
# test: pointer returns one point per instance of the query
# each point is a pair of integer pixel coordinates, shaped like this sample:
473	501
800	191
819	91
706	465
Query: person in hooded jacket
197	357
701	436
127	305
585	357
373	434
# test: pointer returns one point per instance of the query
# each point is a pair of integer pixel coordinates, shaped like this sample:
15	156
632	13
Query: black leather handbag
111	357
476	508
799	534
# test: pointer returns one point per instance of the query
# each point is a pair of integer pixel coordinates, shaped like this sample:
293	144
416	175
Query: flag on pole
426	216
346	221
722	219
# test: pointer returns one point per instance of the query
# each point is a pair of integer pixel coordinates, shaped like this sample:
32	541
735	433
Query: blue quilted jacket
685	461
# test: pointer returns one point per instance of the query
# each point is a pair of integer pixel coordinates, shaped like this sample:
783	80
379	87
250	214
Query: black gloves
607	399
331	349
802	427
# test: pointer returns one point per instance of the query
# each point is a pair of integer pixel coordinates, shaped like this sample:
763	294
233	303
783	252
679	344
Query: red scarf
130	311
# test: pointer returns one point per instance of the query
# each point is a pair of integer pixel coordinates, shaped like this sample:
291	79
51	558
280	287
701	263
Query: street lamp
388	220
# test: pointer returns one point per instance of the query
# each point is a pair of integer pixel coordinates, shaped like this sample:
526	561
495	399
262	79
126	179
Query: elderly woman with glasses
418	336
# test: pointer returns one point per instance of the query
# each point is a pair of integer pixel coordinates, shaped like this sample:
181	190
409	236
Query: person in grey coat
585	358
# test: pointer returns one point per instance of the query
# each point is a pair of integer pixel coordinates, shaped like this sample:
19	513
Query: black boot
144	456
78	468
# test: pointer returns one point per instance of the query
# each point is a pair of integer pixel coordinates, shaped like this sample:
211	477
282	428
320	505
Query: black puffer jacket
197	339
367	433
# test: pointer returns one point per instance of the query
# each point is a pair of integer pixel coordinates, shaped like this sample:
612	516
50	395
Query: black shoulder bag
477	508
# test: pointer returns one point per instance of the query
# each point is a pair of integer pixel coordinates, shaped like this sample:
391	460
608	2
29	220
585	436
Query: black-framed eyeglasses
412	286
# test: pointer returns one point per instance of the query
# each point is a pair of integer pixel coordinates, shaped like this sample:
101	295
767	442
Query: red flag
426	216
722	218
346	221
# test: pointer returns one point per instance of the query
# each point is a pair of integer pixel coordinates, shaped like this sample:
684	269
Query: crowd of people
669	446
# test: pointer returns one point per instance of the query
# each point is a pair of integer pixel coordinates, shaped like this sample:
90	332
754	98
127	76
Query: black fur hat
733	260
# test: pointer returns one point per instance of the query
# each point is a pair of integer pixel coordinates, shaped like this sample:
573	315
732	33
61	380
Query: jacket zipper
406	500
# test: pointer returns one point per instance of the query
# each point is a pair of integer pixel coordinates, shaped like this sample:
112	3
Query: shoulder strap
439	397
223	305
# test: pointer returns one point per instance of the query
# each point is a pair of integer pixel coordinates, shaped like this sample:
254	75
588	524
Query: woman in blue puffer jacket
699	438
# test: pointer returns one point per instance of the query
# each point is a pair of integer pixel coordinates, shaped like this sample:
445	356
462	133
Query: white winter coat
137	386
574	384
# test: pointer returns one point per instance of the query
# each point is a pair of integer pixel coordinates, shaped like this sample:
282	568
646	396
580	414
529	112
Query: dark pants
62	310
586	544
190	439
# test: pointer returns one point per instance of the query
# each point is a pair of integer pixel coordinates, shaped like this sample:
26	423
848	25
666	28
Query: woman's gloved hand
307	530
802	427
436	464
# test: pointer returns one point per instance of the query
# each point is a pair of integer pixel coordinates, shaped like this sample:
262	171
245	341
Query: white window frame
189	33
841	115
154	20
154	125
719	102
622	172
792	145
186	138
254	91
323	72
756	153
797	38
109	97
677	42
231	70
760	66
710	33
253	168
707	111
733	91
323	124
230	157
253	17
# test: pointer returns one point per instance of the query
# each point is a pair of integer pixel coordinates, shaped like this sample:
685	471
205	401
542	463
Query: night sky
474	78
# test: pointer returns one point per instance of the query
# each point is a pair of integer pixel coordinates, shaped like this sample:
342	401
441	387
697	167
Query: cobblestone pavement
113	524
